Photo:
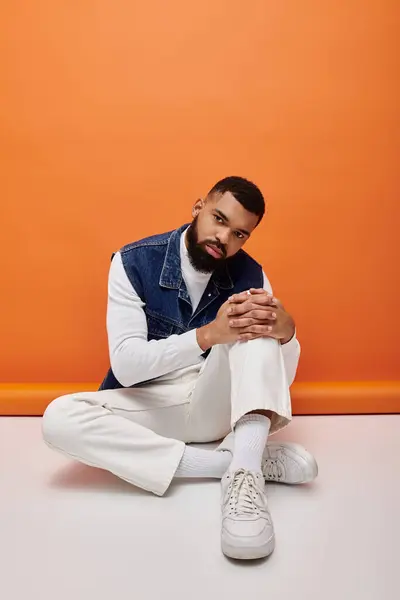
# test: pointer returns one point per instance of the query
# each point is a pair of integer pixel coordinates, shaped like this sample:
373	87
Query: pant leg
138	434
237	379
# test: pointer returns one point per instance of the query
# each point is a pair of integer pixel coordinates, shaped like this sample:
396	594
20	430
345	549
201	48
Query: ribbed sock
251	434
196	462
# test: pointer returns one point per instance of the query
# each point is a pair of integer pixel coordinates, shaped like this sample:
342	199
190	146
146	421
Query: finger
264	300
241	309
262	314
259	329
245	322
254	317
241	297
246	295
238	309
258	291
247	303
250	308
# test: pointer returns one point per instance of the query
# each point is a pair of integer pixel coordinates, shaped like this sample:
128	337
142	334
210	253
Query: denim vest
153	266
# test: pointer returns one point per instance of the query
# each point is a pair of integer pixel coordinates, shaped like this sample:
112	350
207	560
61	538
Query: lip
213	251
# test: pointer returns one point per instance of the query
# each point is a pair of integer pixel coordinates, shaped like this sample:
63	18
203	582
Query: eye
218	219
239	235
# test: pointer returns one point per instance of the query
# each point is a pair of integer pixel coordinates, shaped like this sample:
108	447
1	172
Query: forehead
238	216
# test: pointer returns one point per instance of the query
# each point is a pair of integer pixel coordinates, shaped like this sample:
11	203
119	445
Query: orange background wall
116	116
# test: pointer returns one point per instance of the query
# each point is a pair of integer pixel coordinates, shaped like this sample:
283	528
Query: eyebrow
223	216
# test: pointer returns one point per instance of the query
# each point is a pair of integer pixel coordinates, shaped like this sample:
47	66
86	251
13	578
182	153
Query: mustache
216	244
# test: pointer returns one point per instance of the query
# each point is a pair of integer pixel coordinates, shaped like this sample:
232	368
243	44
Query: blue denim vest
153	267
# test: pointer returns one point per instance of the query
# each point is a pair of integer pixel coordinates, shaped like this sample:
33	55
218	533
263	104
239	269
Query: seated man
200	349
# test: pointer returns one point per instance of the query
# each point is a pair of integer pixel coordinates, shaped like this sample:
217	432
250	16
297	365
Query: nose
223	237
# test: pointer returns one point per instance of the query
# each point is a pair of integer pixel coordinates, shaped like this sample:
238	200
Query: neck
185	239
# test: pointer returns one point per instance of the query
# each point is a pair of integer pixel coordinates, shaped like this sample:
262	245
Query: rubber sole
248	552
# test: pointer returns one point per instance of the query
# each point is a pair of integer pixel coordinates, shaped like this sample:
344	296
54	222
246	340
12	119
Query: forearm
135	360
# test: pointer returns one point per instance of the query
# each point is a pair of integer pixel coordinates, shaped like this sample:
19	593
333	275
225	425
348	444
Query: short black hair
244	191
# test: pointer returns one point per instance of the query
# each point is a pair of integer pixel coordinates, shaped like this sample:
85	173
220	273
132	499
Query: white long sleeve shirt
133	358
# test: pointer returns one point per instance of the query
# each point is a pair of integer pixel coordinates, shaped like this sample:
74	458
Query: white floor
71	532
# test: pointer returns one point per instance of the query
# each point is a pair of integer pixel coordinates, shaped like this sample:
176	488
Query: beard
198	255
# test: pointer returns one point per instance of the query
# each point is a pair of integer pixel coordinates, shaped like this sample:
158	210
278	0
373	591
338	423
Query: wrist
287	339
205	337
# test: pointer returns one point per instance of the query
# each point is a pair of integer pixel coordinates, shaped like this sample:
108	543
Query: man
199	348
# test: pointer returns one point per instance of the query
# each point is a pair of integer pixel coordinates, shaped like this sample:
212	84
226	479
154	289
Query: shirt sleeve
133	358
291	350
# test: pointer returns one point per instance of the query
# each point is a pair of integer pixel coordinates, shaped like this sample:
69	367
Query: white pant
139	433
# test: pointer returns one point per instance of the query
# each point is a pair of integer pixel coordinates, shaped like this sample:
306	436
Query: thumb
258	291
269	294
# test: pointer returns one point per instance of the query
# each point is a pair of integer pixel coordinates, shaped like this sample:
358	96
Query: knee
57	421
259	346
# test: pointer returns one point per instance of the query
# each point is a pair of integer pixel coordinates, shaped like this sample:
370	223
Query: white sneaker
283	462
247	529
288	463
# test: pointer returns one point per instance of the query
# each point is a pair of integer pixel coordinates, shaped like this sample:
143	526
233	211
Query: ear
197	207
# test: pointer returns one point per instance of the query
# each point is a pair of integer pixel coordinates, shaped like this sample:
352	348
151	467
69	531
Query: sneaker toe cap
248	528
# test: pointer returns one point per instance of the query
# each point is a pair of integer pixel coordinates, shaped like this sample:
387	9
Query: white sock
196	462
251	434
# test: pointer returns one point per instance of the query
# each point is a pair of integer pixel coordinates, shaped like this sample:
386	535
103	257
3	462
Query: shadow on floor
80	477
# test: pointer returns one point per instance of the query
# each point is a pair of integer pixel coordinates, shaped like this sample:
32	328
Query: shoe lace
273	469
244	496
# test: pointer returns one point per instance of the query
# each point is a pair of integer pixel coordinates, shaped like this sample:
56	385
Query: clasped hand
259	314
247	316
